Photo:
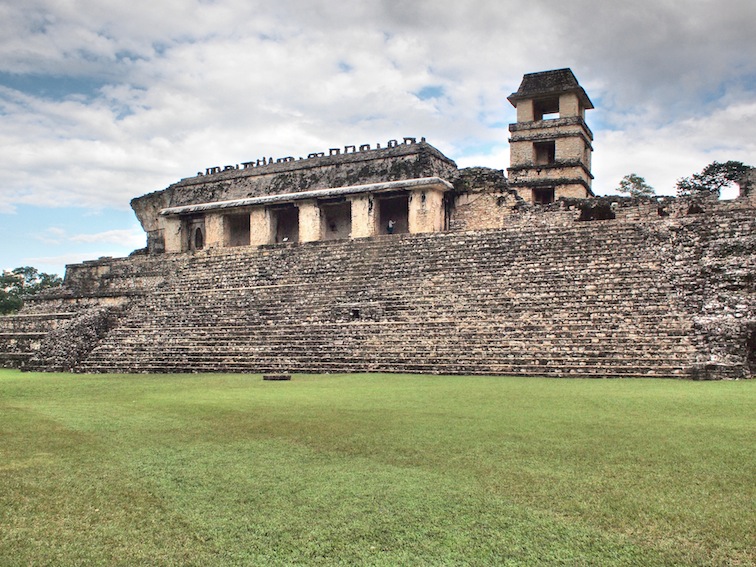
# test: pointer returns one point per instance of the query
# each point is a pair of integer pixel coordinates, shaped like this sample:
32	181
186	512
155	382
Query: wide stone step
22	335
34	322
393	366
374	352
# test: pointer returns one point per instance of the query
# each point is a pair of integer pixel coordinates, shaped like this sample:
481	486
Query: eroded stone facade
320	197
364	190
550	146
391	258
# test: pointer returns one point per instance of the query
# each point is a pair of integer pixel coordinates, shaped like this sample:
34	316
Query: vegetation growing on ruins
712	179
374	470
19	283
635	186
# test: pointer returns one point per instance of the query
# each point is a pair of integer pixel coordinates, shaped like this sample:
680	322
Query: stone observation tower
550	147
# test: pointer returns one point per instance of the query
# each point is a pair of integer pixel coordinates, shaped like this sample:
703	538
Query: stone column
309	221
569	105
525	111
426	210
213	230
171	227
364	213
260	227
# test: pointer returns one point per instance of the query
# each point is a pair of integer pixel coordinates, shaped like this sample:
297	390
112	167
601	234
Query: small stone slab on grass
276	377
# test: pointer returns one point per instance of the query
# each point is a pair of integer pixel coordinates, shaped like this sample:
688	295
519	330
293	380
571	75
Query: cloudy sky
102	101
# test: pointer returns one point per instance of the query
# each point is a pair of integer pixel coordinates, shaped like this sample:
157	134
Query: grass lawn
375	470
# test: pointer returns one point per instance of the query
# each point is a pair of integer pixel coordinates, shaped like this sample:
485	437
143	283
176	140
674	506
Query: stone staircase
88	286
592	299
21	335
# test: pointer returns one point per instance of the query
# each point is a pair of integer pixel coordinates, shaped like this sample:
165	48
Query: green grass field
375	470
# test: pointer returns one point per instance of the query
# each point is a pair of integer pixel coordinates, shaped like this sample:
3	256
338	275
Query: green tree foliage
635	186
712	179
17	284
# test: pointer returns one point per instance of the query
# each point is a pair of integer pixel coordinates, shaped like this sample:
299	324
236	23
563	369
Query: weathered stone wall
105	286
481	199
426	211
117	276
309	221
654	291
66	346
714	270
409	160
748	186
365	216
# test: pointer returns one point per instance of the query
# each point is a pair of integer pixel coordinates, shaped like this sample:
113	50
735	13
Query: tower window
543	196
544	153
546	109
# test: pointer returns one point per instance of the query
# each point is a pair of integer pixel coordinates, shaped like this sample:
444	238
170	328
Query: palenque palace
388	257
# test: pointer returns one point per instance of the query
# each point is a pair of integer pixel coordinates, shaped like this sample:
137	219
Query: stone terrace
109	281
583	301
656	297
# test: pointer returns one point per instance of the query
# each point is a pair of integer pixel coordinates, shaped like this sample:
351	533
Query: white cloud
133	237
169	88
665	153
52	236
126	238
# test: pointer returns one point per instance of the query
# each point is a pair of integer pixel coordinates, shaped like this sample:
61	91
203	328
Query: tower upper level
550	147
550	94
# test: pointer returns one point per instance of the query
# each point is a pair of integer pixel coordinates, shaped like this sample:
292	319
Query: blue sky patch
429	92
51	87
63	235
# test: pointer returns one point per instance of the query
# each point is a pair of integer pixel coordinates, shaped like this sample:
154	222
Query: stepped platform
599	299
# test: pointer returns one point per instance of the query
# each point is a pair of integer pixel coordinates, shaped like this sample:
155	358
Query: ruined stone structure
550	147
354	194
390	258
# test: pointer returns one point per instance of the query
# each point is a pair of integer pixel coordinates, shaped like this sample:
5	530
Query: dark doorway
236	230
286	223
336	220
194	235
393	214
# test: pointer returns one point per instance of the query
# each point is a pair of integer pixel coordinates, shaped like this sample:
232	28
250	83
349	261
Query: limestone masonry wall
654	291
398	161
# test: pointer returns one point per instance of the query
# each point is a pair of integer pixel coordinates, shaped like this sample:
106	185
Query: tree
635	186
15	285
712	179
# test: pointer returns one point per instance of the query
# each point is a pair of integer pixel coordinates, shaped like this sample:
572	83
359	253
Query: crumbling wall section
481	199
66	346
117	276
747	185
712	261
565	211
59	326
350	166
